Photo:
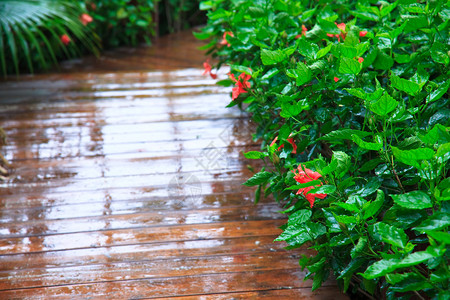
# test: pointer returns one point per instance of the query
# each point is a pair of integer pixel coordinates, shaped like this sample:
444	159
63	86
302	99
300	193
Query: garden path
126	184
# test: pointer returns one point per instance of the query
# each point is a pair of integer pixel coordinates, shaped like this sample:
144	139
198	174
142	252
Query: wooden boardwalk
126	184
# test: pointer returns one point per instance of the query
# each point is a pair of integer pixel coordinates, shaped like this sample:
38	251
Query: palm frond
30	33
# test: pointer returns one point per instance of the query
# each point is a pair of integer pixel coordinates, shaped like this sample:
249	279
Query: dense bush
122	22
178	15
351	102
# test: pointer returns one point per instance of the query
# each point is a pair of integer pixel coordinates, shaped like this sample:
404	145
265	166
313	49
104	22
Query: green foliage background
370	112
31	30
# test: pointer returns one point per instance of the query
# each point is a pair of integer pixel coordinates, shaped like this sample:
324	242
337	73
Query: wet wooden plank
157	194
105	218
144	269
125	200
147	251
139	235
324	293
172	286
207	129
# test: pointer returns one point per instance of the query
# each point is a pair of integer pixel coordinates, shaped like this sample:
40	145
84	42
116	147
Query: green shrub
351	101
178	15
122	22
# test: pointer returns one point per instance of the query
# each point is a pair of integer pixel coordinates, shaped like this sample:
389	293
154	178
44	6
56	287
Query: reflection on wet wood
126	184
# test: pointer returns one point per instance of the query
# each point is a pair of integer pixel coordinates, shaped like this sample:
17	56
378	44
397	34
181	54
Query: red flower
360	60
304	31
241	85
343	34
207	67
290	140
304	176
336	79
341	26
362	33
65	39
224	38
85	19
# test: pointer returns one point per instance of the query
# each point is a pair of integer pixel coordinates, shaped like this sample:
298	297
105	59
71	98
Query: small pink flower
207	67
341	26
224	38
65	39
290	141
85	19
304	176
304	31
241	86
336	79
360	60
362	33
343	34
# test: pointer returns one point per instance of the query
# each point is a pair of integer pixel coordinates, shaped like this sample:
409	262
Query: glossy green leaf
300	216
381	268
205	5
256	12
383	61
442	237
254	155
439	53
432	136
270	57
443	150
435	222
385	266
384	105
289	110
323	189
360	246
307	48
366	145
258	178
347	51
349	66
395	278
324	51
374	207
360	93
242	69
304	185
343	162
271	73
411	157
370	165
439	92
302	74
347	206
405	85
392	235
293	231
346	219
341	134
413	200
257	194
